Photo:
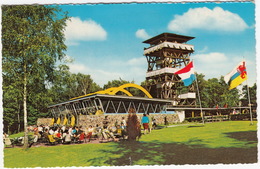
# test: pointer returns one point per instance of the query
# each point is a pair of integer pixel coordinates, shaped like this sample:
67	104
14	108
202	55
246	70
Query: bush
194	119
234	117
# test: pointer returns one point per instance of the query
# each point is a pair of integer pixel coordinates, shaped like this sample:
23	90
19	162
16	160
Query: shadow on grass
160	127
196	126
157	153
249	136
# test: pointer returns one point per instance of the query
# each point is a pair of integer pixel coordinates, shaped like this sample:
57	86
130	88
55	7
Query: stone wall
86	120
44	121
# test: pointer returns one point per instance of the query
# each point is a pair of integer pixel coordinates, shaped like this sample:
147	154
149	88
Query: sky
105	40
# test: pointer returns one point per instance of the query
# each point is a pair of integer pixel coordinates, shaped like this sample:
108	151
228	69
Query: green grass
53	156
19	135
211	135
212	143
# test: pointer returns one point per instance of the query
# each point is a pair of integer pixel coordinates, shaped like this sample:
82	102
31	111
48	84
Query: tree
120	82
228	97
11	113
33	40
83	84
252	93
67	85
201	85
59	90
115	83
215	92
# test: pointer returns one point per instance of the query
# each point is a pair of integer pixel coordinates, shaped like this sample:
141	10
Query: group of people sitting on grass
68	134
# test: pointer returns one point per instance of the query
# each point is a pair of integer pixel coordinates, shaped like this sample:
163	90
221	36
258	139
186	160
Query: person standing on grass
145	123
166	121
150	123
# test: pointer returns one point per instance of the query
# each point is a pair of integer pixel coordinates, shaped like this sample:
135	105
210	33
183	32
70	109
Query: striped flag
237	76
187	74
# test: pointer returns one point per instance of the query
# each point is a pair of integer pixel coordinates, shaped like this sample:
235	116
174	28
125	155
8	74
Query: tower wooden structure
167	54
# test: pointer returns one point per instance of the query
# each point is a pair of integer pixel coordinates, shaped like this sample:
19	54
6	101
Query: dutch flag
187	74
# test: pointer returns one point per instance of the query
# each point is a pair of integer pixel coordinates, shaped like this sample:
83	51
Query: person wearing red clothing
145	122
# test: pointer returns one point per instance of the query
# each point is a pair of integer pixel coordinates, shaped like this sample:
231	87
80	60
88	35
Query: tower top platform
169	37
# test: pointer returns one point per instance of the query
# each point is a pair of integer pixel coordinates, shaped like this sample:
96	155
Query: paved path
189	124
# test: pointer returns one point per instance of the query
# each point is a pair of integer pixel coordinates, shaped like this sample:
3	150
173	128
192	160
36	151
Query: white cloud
87	30
207	19
213	65
132	69
137	61
100	76
204	50
214	57
142	34
78	68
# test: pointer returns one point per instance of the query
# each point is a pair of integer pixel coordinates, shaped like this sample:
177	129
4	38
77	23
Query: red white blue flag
187	74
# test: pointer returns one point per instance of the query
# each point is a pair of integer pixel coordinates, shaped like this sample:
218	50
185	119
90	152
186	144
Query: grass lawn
229	142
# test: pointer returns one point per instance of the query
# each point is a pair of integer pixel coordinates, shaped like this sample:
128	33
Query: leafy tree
215	92
117	83
201	85
83	84
138	92
252	93
67	85
213	88
33	40
11	114
59	90
228	97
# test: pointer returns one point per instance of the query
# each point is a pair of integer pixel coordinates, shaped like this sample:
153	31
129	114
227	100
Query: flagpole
249	101
199	100
202	114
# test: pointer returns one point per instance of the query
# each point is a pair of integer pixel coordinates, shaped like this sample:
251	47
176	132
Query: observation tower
167	54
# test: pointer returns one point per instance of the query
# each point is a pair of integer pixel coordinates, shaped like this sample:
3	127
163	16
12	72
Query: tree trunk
18	115
18	118
25	146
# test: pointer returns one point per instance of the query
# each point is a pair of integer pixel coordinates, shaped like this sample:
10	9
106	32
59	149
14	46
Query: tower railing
161	71
169	45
